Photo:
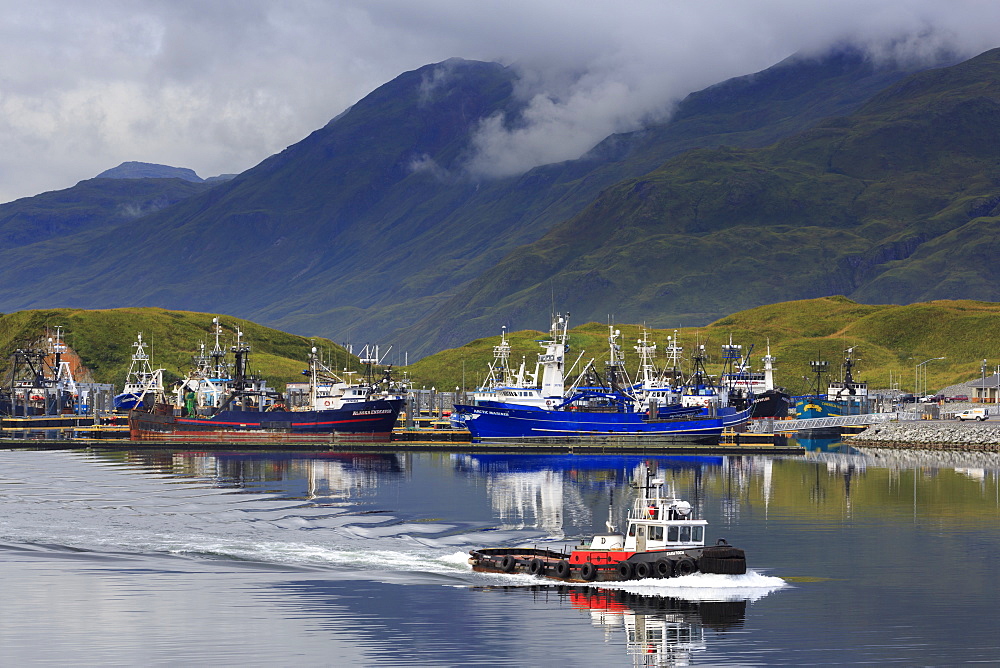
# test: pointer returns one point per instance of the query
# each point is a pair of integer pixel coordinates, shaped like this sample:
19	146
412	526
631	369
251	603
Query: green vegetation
889	340
103	341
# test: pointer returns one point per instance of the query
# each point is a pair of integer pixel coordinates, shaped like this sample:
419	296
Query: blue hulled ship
595	408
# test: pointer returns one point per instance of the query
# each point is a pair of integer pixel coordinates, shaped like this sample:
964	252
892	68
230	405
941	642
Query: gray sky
218	86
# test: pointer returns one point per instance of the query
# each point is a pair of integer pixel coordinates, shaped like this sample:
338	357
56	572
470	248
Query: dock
67	432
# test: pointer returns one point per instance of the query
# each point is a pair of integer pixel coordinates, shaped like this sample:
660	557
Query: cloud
219	86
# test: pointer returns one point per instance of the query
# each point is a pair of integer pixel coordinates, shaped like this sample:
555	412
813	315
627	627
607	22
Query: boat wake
749	586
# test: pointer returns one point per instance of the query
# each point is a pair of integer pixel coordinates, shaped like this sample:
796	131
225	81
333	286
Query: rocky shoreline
930	434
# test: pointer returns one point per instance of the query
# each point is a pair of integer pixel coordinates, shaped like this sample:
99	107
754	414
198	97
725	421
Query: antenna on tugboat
611	507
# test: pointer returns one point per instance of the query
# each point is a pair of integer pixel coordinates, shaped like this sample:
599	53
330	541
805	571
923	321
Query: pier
770	425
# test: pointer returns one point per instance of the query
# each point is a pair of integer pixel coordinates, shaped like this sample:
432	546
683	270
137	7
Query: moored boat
251	412
41	380
674	424
608	409
143	384
662	540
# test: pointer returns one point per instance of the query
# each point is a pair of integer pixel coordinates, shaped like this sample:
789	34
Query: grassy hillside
889	341
103	341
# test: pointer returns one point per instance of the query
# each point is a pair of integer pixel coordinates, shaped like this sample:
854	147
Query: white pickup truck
973	414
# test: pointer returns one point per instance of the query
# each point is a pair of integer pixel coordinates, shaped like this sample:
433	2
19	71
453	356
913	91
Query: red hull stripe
208	423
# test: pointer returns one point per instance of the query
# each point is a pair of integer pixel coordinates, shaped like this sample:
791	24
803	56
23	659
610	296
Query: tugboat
662	540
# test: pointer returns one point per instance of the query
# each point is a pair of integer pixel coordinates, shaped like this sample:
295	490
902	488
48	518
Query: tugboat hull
593	566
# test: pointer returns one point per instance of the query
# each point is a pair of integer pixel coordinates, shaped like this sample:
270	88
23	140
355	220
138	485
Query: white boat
204	388
328	390
522	389
852	394
143	384
655	386
503	385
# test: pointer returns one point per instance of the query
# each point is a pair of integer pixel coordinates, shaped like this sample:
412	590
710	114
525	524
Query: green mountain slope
889	342
366	225
94	204
894	203
102	340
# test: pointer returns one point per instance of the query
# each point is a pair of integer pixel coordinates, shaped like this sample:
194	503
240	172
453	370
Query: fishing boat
41	380
845	396
143	384
503	385
663	539
593	408
252	412
768	400
565	424
653	384
850	394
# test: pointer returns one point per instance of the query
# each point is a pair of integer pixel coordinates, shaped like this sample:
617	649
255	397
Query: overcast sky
217	86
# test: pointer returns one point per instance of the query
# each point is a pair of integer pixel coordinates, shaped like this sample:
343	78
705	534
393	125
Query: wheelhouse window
685	534
698	534
672	533
655	533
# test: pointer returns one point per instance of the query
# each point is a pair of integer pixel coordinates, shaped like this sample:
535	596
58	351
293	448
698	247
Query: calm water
131	558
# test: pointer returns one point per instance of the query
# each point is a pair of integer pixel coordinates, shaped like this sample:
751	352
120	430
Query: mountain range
818	176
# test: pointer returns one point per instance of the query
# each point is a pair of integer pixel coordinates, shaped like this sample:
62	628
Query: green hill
889	342
103	341
897	202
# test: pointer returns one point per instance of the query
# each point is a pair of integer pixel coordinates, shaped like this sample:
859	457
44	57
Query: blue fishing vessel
143	384
594	408
509	423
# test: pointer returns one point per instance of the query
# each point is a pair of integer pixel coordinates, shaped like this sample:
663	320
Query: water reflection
383	577
290	474
562	494
656	630
822	443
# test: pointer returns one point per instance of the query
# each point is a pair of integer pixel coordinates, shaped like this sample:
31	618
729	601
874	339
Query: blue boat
510	423
811	406
143	384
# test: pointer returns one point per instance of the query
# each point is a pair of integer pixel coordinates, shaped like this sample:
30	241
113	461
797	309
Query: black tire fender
626	570
562	569
536	567
664	568
588	572
508	564
685	566
643	570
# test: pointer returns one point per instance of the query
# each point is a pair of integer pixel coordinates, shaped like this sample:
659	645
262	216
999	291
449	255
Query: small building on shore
986	390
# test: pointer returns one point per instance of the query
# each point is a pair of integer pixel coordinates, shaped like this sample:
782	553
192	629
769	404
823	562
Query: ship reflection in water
658	630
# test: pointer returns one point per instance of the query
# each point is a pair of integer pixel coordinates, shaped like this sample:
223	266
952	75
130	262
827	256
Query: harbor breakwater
930	434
